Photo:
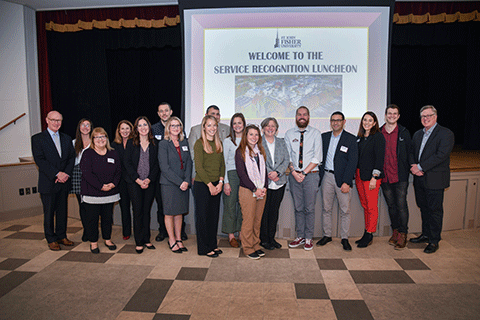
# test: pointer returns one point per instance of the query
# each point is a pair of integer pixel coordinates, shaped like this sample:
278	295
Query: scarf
256	176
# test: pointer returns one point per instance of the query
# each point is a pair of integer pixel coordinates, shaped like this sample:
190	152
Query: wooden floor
464	160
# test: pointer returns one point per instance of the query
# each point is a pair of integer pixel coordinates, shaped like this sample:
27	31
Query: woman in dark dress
176	167
122	134
142	167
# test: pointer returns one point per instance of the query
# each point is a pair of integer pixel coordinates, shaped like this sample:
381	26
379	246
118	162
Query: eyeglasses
427	116
100	137
55	120
85	125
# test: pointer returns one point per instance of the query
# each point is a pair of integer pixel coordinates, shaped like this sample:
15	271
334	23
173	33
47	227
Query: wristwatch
304	173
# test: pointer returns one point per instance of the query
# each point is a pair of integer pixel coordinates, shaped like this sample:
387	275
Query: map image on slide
280	95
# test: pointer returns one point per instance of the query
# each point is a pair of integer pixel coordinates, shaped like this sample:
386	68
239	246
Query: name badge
158	136
184	148
111	160
343	149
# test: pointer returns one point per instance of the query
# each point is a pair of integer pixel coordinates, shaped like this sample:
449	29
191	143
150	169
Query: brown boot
401	242
394	238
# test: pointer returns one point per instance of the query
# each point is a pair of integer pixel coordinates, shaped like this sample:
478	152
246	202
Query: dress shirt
426	135
56	140
332	148
312	146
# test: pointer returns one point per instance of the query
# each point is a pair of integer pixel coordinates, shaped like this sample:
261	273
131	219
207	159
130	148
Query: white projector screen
268	61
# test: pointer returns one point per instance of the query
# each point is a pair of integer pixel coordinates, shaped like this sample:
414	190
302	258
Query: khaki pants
252	211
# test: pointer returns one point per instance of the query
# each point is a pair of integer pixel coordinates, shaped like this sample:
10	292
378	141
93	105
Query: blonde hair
206	146
166	135
100	130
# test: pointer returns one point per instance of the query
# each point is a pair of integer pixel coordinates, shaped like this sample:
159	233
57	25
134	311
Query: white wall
18	71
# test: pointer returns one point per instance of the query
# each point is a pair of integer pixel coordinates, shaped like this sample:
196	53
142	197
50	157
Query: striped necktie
300	152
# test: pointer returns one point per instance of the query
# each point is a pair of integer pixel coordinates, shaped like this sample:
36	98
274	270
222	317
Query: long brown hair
244	143
118	137
375	128
78	136
231	135
206	146
136	136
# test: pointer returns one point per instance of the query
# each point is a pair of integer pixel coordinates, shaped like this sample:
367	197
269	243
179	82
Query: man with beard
304	144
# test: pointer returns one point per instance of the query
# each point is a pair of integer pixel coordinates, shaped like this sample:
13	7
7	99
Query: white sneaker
297	242
308	244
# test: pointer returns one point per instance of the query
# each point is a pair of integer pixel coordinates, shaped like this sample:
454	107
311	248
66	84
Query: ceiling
46	5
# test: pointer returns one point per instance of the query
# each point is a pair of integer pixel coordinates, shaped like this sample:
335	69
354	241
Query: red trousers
369	201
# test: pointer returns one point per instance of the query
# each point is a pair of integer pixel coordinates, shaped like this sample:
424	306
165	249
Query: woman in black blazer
122	134
368	178
142	168
176	167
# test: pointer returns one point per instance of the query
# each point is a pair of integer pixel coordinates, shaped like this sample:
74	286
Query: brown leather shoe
394	238
65	242
234	243
54	246
402	241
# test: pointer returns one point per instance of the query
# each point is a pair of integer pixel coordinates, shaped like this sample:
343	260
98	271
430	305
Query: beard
302	125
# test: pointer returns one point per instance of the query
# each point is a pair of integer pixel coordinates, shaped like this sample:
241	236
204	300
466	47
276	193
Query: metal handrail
13	121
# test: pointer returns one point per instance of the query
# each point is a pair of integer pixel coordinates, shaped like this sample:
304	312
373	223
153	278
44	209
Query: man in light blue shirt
304	144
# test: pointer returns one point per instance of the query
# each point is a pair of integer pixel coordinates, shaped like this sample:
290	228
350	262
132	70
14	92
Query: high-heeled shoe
138	250
150	247
179	250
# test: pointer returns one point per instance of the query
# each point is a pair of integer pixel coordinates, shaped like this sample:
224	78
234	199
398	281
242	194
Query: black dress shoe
366	241
276	244
160	237
346	245
431	248
420	239
324	241
362	238
112	247
267	245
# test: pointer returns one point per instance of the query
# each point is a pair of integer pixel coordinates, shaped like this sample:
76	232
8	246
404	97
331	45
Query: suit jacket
49	161
345	158
170	167
280	161
371	155
132	157
121	154
435	159
196	133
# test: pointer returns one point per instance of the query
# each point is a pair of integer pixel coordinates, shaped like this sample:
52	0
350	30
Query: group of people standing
247	165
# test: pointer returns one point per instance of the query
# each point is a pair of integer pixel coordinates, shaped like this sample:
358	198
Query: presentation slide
267	62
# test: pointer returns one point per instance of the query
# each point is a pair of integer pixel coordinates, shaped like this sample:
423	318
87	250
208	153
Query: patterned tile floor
326	283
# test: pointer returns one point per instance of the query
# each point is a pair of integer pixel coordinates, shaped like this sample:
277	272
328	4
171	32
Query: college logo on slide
287	42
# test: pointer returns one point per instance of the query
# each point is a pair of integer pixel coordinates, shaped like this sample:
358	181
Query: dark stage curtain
109	75
438	64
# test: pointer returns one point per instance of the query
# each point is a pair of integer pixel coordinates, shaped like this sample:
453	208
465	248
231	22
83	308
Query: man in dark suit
432	146
54	155
340	154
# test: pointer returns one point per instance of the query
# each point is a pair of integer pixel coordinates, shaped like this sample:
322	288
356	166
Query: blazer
49	161
345	159
132	157
121	154
371	155
435	159
280	161
171	172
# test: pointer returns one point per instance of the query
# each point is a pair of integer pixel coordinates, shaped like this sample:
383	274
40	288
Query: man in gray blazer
432	146
196	132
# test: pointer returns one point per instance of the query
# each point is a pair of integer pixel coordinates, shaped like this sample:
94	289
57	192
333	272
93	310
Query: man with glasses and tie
54	155
304	144
431	146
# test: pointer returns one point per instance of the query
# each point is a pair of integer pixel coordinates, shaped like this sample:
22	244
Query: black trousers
125	209
93	212
55	214
207	209
430	202
160	215
142	200
396	198
270	214
82	210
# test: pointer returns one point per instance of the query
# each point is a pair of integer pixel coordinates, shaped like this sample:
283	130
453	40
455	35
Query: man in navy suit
432	146
54	155
340	154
